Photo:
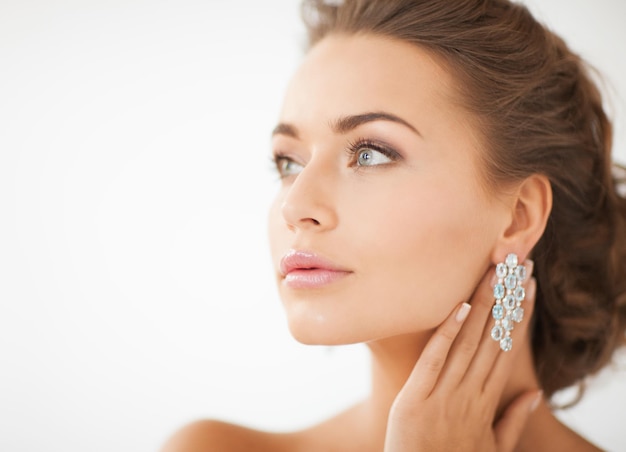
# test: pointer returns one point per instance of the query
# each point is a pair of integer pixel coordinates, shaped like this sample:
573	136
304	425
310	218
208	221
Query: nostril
311	221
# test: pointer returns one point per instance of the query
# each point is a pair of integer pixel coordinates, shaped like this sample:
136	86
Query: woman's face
381	225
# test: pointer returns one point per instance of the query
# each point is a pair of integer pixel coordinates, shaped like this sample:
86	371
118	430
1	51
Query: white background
136	292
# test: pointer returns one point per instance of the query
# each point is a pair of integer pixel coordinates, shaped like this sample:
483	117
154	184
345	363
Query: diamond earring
509	295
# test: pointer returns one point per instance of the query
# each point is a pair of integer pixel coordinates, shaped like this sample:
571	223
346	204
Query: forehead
350	74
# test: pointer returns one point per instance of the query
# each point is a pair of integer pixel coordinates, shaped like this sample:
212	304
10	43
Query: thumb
509	428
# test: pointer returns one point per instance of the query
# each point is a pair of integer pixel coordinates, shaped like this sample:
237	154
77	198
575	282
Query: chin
319	331
311	335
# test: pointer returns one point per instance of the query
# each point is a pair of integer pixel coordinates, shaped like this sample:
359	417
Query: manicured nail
529	265
531	288
463	311
493	280
535	404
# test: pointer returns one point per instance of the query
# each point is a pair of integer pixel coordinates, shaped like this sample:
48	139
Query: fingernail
463	311
493	280
531	288
530	265
535	404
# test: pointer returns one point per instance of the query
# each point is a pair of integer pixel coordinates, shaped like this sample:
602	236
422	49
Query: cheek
425	253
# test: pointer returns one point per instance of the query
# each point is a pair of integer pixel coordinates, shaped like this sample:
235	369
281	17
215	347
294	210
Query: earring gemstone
518	315
497	333
506	344
498	291
509	294
509	302
497	312
510	282
511	260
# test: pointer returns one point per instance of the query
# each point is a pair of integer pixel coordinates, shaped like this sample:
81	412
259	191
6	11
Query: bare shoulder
575	442
211	435
545	432
330	435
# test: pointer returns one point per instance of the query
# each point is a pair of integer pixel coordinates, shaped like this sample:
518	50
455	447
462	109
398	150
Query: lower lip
313	279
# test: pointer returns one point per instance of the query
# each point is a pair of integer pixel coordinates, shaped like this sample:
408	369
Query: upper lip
305	260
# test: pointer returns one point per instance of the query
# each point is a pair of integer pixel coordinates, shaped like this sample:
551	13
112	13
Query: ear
530	208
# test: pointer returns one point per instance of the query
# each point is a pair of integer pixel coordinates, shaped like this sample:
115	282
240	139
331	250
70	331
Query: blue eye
287	167
371	157
369	153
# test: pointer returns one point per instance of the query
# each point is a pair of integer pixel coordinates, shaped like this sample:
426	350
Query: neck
393	359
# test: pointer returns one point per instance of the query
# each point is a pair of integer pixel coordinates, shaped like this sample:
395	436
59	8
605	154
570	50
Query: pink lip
305	270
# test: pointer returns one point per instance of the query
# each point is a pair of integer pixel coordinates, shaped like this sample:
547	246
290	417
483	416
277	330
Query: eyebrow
345	124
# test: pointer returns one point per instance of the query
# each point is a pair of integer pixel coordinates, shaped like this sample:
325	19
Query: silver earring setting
509	295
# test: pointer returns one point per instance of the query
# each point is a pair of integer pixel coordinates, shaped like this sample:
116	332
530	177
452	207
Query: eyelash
352	150
275	160
363	143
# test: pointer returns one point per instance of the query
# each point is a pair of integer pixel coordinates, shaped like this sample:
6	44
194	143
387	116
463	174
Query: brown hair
539	113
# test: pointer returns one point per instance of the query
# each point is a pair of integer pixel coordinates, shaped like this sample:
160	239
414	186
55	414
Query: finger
496	380
509	428
426	372
470	335
489	350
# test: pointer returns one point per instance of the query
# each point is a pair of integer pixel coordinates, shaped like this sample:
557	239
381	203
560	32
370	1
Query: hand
449	401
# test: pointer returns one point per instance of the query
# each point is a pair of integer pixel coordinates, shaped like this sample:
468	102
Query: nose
310	200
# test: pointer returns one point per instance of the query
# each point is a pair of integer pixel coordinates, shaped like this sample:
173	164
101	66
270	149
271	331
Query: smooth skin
382	174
